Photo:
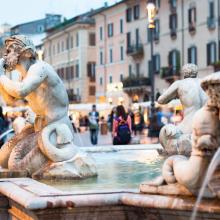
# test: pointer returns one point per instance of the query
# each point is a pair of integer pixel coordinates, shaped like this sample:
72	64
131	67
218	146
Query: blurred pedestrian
111	118
122	127
155	125
138	122
94	125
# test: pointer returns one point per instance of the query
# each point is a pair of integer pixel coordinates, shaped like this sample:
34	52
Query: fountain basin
25	198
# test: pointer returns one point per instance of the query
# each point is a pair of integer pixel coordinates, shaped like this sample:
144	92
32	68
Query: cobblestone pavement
83	139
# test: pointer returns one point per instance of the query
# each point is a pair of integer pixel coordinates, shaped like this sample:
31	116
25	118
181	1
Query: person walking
94	125
122	127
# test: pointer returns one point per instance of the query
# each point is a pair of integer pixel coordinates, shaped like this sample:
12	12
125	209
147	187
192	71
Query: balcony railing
216	66
211	23
134	50
133	81
73	97
170	72
173	33
192	28
156	36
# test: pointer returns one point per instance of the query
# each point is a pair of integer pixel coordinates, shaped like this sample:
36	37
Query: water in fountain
211	169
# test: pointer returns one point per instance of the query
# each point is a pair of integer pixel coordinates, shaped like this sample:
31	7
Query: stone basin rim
27	193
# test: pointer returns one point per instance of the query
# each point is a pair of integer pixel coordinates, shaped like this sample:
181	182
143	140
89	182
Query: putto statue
177	139
182	175
45	148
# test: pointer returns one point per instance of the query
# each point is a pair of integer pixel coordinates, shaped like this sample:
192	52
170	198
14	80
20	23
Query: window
92	39
77	39
192	55
101	57
157	3
110	30
192	19
211	18
211	9
50	50
62	46
77	70
40	28
138	69
173	25
129	39
211	53
121	77
110	79
54	49
157	63
100	81
91	70
71	42
137	37
129	14
173	3
67	73
92	90
174	60
67	43
71	72
157	30
100	33
121	26
173	21
130	70
58	47
136	12
122	52
110	56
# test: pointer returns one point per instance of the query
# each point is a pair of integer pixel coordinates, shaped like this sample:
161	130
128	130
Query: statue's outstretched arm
170	94
33	79
11	101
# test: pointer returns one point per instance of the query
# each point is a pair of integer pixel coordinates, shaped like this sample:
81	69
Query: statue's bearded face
11	56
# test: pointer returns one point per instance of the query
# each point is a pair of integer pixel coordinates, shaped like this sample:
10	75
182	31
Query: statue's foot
172	189
79	167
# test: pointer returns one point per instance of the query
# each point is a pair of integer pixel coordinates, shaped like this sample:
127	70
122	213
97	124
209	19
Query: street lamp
151	12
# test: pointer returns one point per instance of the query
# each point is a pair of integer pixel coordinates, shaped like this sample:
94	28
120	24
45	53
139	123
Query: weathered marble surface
50	138
190	172
31	198
192	98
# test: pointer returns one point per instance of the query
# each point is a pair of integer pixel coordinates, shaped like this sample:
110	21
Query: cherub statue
181	172
45	94
176	139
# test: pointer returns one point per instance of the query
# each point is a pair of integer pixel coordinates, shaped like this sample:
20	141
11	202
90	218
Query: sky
20	11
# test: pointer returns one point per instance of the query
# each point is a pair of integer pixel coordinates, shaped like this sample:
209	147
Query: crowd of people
124	125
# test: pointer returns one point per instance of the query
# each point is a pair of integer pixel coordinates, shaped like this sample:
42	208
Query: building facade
111	61
186	31
71	49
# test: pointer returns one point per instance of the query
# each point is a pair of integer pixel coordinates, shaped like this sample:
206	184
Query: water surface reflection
117	170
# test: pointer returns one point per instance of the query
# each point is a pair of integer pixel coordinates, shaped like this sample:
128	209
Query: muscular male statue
44	91
39	84
190	93
176	139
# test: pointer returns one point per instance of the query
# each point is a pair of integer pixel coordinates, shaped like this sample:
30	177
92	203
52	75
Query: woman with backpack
122	127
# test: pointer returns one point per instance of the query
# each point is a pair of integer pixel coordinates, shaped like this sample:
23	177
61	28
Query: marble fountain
44	175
